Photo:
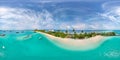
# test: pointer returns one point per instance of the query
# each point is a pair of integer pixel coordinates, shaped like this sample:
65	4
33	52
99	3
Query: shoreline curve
76	44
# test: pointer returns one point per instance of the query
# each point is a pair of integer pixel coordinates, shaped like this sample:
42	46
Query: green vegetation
75	35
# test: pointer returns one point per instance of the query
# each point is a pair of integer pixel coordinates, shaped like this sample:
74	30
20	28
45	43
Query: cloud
51	1
77	26
112	11
24	19
110	4
27	19
68	0
109	19
80	26
103	26
66	17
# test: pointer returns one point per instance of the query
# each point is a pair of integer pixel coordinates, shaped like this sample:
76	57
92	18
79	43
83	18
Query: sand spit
76	44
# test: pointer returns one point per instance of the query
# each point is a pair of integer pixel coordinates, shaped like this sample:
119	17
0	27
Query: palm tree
66	31
82	31
75	34
73	30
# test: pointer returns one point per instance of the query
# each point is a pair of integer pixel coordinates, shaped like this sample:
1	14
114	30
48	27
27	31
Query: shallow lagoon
27	45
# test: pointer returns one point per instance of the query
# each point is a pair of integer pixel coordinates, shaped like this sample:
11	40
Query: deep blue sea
28	45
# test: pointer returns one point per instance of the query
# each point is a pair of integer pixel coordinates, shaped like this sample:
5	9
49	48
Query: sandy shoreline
76	44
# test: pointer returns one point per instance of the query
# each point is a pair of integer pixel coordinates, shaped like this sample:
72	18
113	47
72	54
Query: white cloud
53	1
76	26
112	11
80	26
109	19
22	19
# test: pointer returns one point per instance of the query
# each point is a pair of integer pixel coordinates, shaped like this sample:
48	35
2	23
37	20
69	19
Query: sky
60	14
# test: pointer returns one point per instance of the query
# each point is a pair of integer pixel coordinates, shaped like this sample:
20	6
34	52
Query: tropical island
76	41
75	35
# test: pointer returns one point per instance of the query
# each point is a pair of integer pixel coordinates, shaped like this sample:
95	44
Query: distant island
75	35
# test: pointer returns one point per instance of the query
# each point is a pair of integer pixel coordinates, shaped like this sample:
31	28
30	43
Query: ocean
28	45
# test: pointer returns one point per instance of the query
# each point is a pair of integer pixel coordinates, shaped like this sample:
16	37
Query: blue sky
60	14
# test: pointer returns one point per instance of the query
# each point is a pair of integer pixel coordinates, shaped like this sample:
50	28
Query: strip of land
76	44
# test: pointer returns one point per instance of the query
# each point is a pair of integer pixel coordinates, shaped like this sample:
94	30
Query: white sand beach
76	44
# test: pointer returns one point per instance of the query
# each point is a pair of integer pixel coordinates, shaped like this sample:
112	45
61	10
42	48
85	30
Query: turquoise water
27	45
